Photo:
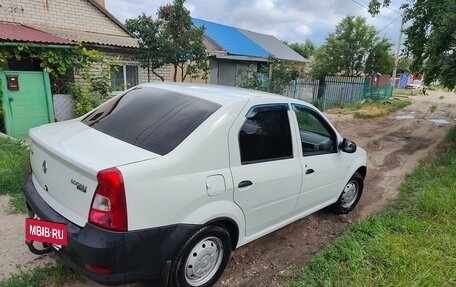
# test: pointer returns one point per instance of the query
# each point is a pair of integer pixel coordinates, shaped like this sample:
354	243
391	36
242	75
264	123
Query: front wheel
202	259
350	195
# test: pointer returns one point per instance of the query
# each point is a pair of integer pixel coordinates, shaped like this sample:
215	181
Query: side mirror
347	146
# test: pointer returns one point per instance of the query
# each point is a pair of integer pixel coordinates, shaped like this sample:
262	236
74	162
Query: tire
350	196
202	259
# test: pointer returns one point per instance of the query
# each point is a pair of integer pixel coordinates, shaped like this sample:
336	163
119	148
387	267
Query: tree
430	37
404	64
274	77
183	42
380	58
305	49
353	49
150	52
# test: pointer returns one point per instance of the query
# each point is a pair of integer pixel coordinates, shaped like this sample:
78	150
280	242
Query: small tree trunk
183	76
175	73
158	75
148	70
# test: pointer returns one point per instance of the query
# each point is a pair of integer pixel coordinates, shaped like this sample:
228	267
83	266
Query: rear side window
266	135
150	118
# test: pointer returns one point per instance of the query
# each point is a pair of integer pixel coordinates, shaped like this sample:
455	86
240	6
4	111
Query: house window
124	77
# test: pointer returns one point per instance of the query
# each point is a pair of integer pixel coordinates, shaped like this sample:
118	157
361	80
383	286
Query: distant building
232	50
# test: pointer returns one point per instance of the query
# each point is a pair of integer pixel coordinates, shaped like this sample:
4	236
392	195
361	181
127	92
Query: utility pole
398	50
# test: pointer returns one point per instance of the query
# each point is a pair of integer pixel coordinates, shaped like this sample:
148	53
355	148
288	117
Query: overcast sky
288	20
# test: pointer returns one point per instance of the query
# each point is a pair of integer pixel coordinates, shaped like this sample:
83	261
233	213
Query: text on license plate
45	231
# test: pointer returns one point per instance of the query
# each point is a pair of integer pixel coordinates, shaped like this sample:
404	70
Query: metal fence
333	91
336	91
303	89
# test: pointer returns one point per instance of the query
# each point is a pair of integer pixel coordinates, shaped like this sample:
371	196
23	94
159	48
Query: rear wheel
202	259
350	195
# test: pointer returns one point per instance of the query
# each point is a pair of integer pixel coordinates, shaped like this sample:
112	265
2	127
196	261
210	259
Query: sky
287	20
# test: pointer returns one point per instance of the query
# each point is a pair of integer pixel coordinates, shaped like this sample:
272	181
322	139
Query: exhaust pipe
46	248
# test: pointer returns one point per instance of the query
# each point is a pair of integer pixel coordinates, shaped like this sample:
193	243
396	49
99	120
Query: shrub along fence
333	91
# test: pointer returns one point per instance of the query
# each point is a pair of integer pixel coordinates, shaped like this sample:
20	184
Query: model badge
79	185
44	166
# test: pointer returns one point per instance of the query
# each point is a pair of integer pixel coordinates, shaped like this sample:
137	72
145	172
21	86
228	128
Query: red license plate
45	231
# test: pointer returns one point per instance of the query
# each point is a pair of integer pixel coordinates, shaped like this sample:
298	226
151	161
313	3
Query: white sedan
163	181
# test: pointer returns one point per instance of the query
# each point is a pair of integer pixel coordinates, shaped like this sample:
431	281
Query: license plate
45	231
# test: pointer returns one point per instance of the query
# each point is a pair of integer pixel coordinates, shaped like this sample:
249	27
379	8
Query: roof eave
110	16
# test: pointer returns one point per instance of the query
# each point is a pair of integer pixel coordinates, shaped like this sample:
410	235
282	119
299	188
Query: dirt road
395	145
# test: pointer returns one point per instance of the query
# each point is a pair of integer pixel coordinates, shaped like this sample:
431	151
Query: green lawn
55	275
411	243
372	109
14	166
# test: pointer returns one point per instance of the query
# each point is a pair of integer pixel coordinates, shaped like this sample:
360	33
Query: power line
367	8
389	24
387	7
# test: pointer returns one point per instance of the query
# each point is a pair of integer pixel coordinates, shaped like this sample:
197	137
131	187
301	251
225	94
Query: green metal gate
27	101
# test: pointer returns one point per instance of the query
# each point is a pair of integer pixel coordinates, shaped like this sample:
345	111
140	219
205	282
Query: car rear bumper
128	256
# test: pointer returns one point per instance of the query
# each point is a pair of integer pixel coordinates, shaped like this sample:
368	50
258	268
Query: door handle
309	171
245	183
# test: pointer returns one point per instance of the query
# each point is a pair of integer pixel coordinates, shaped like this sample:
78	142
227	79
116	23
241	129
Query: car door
266	172
322	164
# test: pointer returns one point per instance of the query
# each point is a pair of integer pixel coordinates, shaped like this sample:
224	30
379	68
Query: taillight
109	206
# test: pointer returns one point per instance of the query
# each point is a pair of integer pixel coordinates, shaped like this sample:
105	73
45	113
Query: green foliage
151	52
352	49
376	5
171	39
274	77
14	166
451	136
404	64
84	101
306	49
430	37
185	48
56	275
380	58
59	61
411	244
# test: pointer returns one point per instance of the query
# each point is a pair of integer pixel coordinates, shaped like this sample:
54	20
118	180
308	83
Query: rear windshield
153	119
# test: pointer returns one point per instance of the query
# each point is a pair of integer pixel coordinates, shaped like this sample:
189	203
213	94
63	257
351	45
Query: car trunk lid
65	159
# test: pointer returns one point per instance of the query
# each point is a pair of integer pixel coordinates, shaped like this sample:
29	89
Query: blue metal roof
230	39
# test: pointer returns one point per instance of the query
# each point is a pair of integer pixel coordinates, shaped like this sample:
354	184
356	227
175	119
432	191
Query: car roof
222	95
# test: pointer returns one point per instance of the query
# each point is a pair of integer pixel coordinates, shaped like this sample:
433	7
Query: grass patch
372	109
441	97
410	244
432	108
14	166
55	275
406	92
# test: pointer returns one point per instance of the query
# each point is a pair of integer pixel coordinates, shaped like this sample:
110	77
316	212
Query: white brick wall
78	15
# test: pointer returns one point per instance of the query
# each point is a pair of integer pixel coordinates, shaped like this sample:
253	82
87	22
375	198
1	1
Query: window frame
123	66
296	107
250	114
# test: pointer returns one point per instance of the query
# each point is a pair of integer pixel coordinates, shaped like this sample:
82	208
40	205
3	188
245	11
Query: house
58	24
233	50
85	21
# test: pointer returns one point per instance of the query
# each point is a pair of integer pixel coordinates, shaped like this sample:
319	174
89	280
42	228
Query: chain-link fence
62	90
62	84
